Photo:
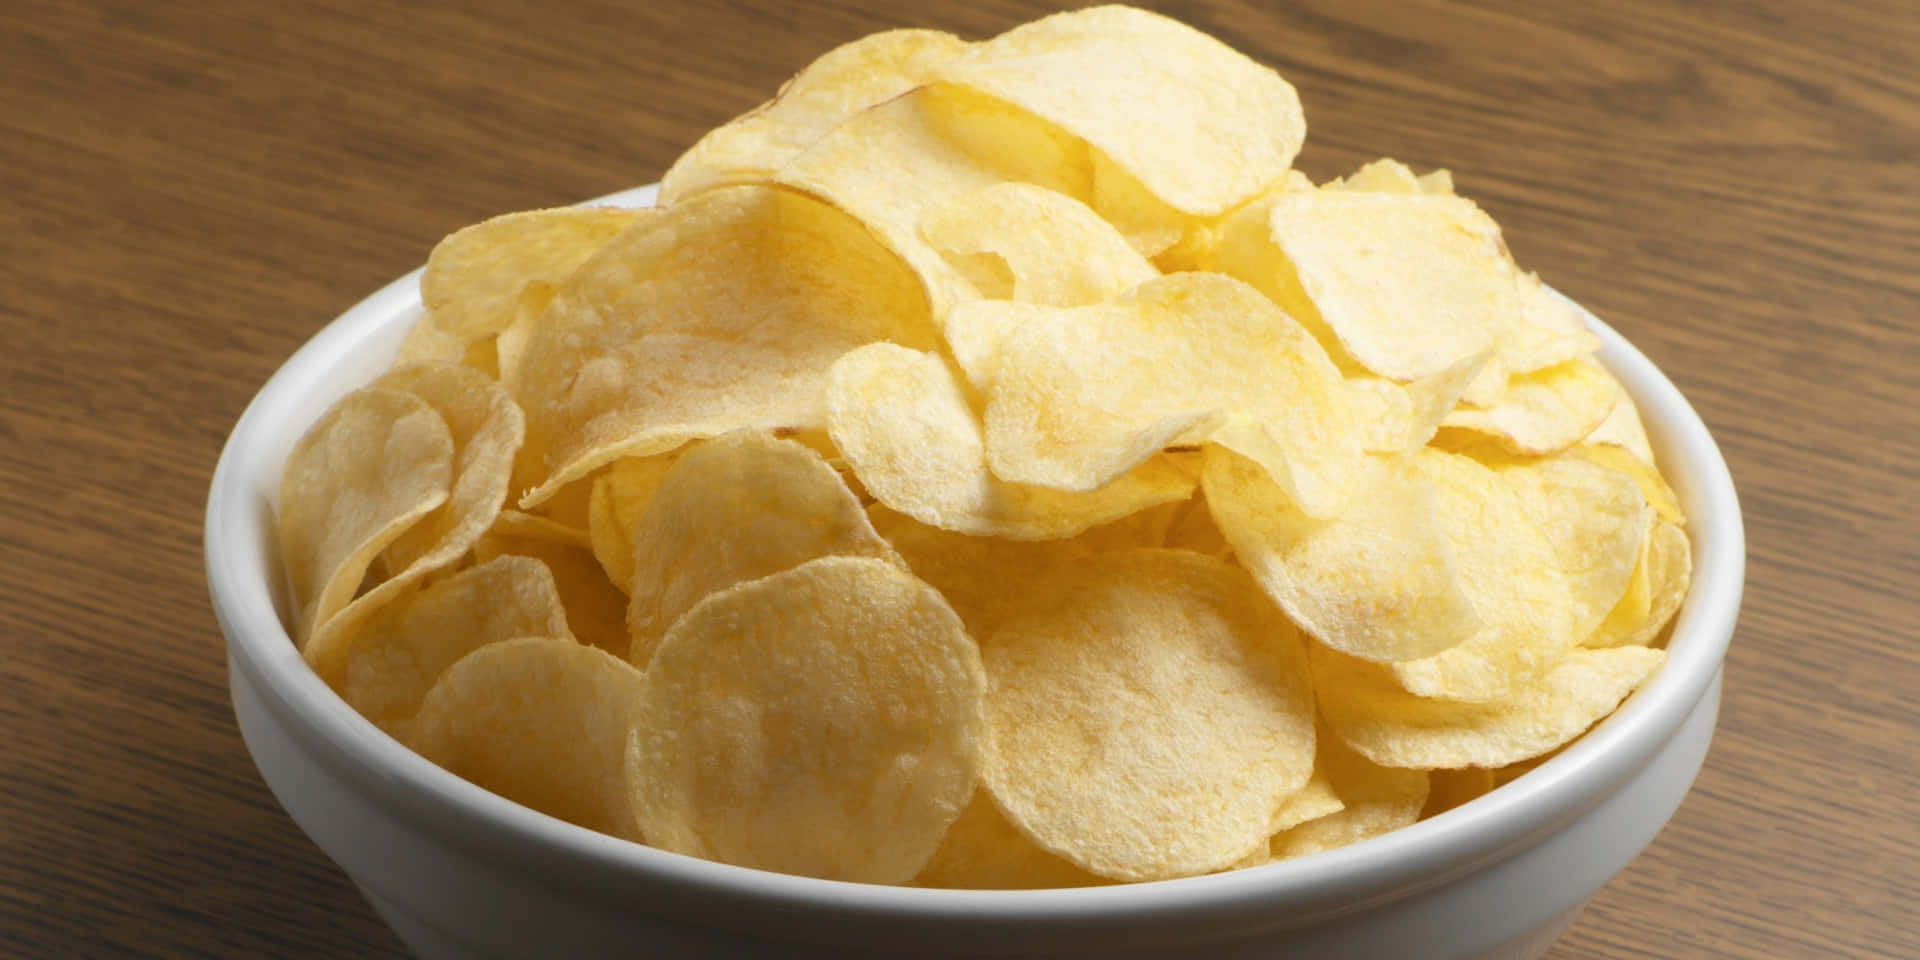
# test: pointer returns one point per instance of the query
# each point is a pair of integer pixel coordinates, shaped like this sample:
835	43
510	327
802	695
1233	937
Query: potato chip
1199	124
841	83
1550	331
825	721
982	851
1384	175
1174	691
1659	584
393	654
519	525
475	278
373	465
1081	396
1451	788
1373	800
596	610
511	344
1402	418
618	500
723	312
1652	485
1436	182
1544	411
1378	581
1595	521
1512	576
1371	713
542	721
736	508
1053	249
904	423
1622	428
1316	799
487	429
985	579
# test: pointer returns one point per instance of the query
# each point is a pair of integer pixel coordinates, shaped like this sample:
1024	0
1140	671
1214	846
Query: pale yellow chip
1544	411
1371	713
1150	719
511	344
1622	428
1550	331
1199	124
1379	581
738	507
475	278
1081	396
720	313
982	851
1512	576
519	525
618	500
1652	485
904	423
1596	523
1373	800
596	610
1402	418
396	652
1316	799
542	721
373	465
1659	586
841	83
1385	175
826	721
985	579
1017	241
1452	788
1194	529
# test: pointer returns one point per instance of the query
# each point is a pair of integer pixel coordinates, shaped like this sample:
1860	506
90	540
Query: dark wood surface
188	191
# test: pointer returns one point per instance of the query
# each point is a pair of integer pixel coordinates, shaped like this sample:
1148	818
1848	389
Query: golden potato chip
1081	396
1174	691
542	721
619	498
596	610
1052	249
1199	124
373	465
518	525
1652	485
1544	411
722	312
1378	581
474	280
825	721
841	83
985	579
1311	802
1451	788
511	344
395	652
487	429
1373	800
904	423
736	508
1370	712
1512	576
982	851
1659	584
1595	521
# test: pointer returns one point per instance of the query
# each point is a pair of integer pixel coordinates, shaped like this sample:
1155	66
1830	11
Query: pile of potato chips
991	465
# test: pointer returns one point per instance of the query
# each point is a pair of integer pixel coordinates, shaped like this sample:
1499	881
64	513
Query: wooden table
188	191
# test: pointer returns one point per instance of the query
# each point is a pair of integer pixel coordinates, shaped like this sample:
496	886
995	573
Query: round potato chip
542	721
487	429
1544	411
618	499
1379	581
904	423
736	508
1051	249
596	610
1654	594
982	851
1370	712
1595	521
720	313
1311	802
373	465
824	721
396	652
1373	800
985	579
1176	695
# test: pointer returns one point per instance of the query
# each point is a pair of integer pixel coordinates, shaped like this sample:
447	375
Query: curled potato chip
1652	485
1199	124
1402	418
982	851
1544	411
596	610
1316	799
1385	175
1052	249
1595	521
736	508
904	423
1176	693
373	465
475	278
721	312
542	721
1366	708
1081	396
1378	581
396	652
825	720
618	500
839	84
511	344
1654	594
1373	800
487	429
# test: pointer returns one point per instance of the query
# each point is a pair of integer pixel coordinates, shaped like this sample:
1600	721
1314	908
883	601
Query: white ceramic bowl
460	872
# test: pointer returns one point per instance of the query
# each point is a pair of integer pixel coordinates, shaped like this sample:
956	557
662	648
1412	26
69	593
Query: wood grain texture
188	191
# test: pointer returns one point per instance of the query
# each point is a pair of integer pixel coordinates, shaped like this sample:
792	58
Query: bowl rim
1400	863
